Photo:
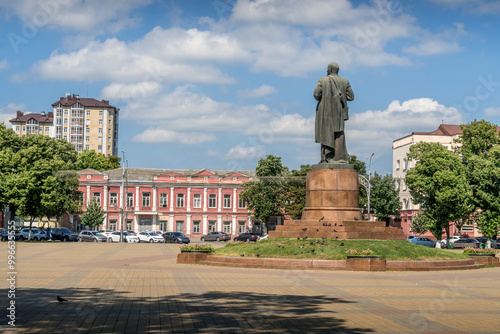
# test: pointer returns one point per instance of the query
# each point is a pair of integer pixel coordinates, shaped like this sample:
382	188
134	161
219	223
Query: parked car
423	241
63	234
150	237
106	233
263	237
176	237
451	240
127	237
4	234
36	234
91	236
466	242
216	236
247	237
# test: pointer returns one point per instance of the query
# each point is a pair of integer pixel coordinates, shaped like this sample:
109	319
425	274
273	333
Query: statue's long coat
332	110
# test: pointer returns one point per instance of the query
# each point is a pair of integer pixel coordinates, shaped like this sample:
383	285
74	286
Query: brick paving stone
129	288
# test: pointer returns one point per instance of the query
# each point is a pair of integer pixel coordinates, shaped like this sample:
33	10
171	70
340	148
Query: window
97	197
180	200
87	147
24	128
398	163
163	200
211	226
109	122
100	112
40	129
130	200
179	226
87	130
65	121
66	112
88	112
241	226
196	226
128	225
87	138
405	164
109	139
146	198
109	148
17	128
242	204
99	139
65	130
197	201
99	147
46	129
109	113
113	199
404	185
227	201
100	122
109	131
112	225
100	130
226	227
212	201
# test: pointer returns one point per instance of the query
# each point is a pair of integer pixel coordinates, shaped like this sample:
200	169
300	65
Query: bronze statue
332	93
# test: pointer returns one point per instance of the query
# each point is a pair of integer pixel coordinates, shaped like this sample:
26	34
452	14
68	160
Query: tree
360	167
61	194
295	192
265	196
419	223
477	138
384	196
91	159
93	215
439	183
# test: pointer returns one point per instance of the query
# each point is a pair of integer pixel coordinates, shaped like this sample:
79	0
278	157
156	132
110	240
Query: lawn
328	249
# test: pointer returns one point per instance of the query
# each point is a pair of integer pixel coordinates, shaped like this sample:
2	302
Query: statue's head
332	68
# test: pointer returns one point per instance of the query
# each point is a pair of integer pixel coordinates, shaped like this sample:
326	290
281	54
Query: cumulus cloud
167	136
261	91
290	128
492	112
8	112
244	153
91	15
432	44
118	91
375	130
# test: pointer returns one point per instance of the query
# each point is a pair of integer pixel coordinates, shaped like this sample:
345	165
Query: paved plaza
139	288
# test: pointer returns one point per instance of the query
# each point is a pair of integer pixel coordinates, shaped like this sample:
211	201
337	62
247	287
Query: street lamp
123	190
369	184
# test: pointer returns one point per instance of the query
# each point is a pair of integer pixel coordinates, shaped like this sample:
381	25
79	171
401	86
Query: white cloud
261	91
4	64
118	91
167	136
476	7
99	16
375	130
492	112
9	112
244	152
290	128
432	44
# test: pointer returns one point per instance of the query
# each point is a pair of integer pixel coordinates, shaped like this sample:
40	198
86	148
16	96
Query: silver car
91	236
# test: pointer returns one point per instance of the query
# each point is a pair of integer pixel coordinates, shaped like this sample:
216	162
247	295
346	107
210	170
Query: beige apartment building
87	123
445	134
33	123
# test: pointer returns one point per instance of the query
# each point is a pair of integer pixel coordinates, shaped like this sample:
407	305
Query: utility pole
369	184
126	194
123	199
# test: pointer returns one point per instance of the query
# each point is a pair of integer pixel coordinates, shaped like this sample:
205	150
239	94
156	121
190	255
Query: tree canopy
91	159
93	215
384	199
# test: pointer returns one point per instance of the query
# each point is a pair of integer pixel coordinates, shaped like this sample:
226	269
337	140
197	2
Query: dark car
246	237
216	236
63	234
176	237
91	236
4	234
465	243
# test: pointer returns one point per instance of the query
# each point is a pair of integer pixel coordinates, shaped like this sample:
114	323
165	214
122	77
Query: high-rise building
87	123
33	123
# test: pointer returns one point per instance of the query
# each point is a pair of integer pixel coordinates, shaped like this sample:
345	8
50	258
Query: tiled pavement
138	288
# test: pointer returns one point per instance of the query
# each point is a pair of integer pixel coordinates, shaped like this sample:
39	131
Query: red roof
40	117
86	102
443	130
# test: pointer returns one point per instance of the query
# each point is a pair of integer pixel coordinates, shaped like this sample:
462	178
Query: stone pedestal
332	194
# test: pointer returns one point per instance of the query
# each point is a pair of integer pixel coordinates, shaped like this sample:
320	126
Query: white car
451	240
128	237
150	237
36	234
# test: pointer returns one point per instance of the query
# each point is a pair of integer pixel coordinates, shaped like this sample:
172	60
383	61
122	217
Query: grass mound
328	249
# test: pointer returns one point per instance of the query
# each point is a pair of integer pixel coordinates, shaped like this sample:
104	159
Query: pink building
192	202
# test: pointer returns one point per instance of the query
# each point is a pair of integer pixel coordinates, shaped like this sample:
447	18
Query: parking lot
134	288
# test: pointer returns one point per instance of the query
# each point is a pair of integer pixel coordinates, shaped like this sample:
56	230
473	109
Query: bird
335	224
301	247
304	238
242	254
325	224
336	237
317	230
60	300
334	230
257	255
298	238
323	238
322	218
304	229
355	218
330	224
341	244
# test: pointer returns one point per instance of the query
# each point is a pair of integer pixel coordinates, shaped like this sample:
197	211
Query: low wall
311	264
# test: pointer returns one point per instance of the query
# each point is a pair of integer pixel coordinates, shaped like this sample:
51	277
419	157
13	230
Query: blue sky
217	84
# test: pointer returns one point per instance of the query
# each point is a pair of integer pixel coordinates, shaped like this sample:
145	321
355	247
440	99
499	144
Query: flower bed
197	248
363	252
477	250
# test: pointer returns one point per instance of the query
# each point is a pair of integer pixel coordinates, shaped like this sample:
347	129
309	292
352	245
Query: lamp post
369	184
123	190
126	194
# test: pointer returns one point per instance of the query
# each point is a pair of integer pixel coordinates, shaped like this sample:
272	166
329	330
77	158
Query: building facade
187	201
33	123
87	123
446	135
